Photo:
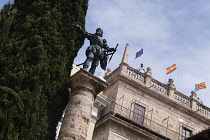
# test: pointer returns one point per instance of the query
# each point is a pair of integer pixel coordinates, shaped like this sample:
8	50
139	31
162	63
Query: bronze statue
97	51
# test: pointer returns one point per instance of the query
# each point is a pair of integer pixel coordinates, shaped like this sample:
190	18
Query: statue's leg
94	65
89	58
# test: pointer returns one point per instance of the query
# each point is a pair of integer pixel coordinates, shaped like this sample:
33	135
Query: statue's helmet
99	32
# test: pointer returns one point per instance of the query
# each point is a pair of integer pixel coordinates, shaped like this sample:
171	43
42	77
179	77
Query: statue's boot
85	67
92	70
86	63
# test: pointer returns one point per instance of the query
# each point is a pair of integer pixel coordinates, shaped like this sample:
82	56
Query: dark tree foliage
37	47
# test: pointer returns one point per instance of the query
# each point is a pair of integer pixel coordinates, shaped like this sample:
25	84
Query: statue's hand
112	49
76	25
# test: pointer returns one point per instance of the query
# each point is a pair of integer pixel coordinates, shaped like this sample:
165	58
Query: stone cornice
100	103
110	118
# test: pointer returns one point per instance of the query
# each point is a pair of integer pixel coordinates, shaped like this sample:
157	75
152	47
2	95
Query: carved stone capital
84	80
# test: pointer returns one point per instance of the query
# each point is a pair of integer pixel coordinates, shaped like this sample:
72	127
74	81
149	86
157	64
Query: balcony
148	125
169	91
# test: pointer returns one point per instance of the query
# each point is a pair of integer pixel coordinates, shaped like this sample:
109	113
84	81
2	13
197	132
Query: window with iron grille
186	133
138	115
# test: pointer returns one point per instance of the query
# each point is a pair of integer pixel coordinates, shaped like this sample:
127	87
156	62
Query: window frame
185	131
139	114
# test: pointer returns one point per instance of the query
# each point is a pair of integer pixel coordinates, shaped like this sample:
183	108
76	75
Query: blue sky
169	31
2	2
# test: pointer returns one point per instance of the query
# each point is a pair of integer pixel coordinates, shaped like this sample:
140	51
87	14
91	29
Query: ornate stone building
143	108
132	106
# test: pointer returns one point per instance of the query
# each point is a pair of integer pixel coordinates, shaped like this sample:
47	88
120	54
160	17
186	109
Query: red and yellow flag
200	86
171	69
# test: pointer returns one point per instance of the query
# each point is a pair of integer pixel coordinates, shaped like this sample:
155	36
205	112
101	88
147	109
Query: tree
38	46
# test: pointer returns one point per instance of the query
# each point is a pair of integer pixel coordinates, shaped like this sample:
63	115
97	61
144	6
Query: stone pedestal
148	78
194	100
84	89
171	89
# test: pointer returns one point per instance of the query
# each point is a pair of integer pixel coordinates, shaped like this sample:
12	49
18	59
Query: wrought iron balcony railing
149	125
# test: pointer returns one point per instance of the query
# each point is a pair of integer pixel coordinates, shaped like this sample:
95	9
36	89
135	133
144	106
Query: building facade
142	108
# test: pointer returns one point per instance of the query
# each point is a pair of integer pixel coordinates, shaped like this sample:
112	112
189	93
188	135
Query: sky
2	2
169	31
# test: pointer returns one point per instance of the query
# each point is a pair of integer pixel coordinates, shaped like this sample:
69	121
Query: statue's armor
97	51
96	40
96	44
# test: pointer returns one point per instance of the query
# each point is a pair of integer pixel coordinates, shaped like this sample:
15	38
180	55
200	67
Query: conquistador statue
97	51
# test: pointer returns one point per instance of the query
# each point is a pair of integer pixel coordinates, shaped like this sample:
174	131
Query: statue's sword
113	52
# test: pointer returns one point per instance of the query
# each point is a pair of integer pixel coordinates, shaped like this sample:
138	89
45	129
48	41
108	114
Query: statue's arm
85	34
105	46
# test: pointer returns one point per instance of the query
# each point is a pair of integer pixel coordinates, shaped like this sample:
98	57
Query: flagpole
165	79
178	81
138	54
195	87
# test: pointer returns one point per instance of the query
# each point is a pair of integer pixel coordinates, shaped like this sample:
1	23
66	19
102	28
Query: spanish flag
200	86
171	69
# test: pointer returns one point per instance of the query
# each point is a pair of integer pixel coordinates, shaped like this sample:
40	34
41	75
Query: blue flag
139	53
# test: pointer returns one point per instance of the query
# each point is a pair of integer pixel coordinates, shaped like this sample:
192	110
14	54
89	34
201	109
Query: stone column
84	89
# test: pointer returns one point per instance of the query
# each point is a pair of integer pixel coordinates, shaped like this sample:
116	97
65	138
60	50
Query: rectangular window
138	115
186	133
